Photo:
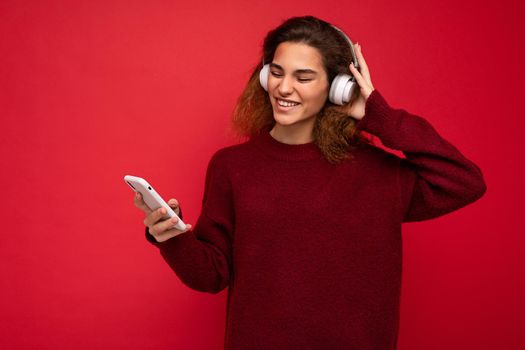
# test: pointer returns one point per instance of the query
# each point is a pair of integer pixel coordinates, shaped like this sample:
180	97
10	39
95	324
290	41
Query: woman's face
297	84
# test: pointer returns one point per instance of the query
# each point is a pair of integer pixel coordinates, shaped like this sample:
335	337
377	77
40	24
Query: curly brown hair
335	133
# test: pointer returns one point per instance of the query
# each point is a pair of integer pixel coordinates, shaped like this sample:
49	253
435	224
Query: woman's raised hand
356	108
161	229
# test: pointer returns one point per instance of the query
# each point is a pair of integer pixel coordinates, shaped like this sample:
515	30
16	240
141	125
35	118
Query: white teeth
286	103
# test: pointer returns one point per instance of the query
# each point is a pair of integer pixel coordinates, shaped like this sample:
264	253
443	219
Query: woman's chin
287	119
284	120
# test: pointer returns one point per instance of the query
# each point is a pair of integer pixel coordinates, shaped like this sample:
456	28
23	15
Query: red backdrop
94	90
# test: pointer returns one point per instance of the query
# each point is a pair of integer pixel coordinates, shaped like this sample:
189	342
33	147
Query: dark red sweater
311	252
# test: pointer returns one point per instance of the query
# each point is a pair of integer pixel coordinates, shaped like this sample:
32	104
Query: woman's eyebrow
305	70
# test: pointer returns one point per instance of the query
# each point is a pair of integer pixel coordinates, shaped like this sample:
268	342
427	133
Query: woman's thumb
173	202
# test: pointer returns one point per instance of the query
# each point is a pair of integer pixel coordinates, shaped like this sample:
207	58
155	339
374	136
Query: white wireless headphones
342	86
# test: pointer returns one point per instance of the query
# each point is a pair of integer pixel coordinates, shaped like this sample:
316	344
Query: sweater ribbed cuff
376	110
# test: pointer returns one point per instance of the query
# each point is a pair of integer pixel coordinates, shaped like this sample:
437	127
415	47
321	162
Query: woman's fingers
162	226
161	237
139	203
362	63
154	216
161	229
366	89
174	204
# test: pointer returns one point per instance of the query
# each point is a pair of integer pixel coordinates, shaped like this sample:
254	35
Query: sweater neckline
304	151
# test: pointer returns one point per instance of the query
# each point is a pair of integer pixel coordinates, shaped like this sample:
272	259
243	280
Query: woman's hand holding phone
161	229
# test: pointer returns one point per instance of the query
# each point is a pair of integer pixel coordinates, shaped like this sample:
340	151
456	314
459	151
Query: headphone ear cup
263	76
341	89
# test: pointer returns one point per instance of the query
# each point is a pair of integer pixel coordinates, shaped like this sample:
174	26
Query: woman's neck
292	134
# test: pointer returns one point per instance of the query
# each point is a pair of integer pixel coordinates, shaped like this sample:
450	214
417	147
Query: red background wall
93	90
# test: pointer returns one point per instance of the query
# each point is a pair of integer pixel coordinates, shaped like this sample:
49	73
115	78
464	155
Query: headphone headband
350	43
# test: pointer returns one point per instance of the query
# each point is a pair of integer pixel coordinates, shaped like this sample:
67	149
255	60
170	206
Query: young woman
303	221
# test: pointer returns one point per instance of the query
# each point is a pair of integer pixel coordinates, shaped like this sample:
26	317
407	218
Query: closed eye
302	80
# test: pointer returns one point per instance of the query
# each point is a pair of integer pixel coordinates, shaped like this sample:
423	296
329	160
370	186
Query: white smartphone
152	198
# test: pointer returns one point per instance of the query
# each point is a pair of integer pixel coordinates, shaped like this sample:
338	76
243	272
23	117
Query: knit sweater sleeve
201	257
435	178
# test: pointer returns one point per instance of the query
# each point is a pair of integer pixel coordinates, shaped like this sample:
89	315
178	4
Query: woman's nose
285	86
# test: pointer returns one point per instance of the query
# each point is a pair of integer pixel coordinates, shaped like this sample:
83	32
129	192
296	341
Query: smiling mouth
283	103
